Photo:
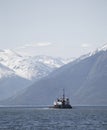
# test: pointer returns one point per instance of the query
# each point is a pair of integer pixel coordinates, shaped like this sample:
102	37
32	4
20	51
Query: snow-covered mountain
30	67
17	72
102	48
85	82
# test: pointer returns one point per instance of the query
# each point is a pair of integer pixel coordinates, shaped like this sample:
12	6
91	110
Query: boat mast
63	94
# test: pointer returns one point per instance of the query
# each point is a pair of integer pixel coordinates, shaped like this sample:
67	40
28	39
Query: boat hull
61	107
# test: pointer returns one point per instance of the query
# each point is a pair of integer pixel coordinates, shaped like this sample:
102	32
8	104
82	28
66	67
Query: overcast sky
66	28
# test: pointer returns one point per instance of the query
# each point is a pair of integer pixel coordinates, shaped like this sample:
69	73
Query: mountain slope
5	71
10	86
18	72
10	83
84	80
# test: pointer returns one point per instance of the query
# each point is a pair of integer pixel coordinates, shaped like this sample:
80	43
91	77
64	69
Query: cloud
33	45
85	45
40	44
44	44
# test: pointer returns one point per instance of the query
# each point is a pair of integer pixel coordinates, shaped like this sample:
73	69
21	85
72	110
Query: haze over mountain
17	72
85	82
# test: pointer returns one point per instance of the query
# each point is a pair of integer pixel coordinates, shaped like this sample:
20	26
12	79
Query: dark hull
61	107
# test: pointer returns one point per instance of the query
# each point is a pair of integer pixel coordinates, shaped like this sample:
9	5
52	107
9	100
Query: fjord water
78	118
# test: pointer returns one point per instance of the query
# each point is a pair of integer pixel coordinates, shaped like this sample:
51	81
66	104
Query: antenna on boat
63	93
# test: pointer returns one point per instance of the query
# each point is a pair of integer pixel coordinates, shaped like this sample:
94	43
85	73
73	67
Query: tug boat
62	103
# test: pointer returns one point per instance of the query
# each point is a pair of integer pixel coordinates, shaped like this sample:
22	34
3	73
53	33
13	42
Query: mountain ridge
83	79
29	67
24	70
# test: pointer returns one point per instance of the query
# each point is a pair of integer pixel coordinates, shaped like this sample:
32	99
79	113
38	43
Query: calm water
78	118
